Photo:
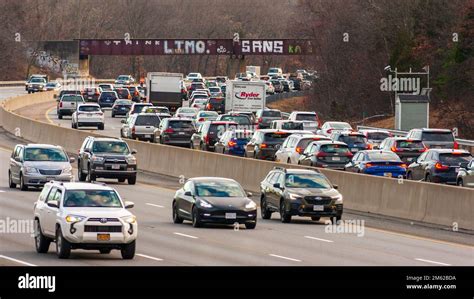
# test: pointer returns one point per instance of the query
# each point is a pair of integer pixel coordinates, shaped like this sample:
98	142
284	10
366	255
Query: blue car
233	142
377	162
356	141
107	99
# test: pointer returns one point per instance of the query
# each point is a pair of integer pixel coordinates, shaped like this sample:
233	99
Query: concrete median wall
417	201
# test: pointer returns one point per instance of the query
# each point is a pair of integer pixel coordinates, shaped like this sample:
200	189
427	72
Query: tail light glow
441	167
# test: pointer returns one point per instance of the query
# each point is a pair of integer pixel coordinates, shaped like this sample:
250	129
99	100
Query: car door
351	166
41	210
305	156
469	178
187	201
15	166
250	147
272	199
281	153
416	168
86	155
49	215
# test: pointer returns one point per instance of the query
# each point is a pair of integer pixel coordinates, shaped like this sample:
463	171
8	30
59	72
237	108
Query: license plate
89	115
388	174
115	166
230	215
147	136
50	178
103	237
354	150
181	133
336	158
318	208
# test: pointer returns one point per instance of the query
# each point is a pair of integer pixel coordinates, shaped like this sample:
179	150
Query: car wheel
250	225
11	184
23	187
289	161
90	177
191	145
427	178
196	219
176	218
121	180
336	220
266	213
409	176
128	251
315	218
285	217
132	180
82	177
41	242
63	247
460	183
105	250
60	116
113	115
101	127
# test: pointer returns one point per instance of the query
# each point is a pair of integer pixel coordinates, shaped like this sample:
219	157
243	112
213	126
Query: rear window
123	93
438	136
112	95
310	117
334	148
138	108
207	114
454	159
200	96
383	156
214	128
271	113
240	119
89	108
292	126
180	124
305	142
339	126
416	144
216	100
352	139
276	137
214	89
147	120
377	135
72	99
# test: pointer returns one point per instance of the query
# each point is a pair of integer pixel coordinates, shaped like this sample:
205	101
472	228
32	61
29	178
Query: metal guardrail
464	142
22	83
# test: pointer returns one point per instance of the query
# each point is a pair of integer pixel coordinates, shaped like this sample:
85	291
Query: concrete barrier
418	201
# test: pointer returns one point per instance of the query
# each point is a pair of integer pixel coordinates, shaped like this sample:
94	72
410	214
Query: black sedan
121	107
214	200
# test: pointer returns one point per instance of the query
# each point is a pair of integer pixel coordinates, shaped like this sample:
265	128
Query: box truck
245	96
165	89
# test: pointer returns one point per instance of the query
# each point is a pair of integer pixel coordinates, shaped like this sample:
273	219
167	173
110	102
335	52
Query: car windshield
352	139
271	113
219	189
340	126
72	99
240	119
377	135
455	159
214	89
180	124
114	147
45	154
122	102
383	156
51	84
306	181
292	126
92	199
208	114
148	120
105	87
155	110
89	108
200	96
335	148
38	80
438	136
277	137
416	144
310	117
187	110
122	78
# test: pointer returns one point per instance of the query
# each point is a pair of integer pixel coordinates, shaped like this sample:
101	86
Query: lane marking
17	261
46	114
187	236
153	205
314	238
149	257
432	262
284	257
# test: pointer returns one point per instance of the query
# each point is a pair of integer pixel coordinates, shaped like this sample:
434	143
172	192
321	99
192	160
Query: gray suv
434	138
33	165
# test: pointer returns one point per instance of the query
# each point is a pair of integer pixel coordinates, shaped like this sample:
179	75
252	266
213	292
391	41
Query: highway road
162	243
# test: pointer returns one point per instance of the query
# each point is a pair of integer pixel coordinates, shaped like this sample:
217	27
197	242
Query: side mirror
86	150
249	194
72	159
335	186
53	204
18	158
129	205
134	151
123	121
277	185
188	193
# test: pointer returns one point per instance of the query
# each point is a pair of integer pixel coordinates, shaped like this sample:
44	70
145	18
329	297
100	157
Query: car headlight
204	204
131	160
251	205
130	219
74	218
338	198
67	170
294	196
31	170
97	159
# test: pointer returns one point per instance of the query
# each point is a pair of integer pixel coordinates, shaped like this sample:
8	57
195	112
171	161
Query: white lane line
314	238
187	236
2	191
284	257
17	261
153	205
432	262
149	257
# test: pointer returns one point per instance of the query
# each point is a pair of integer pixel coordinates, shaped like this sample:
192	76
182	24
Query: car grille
50	171
102	219
318	200
103	229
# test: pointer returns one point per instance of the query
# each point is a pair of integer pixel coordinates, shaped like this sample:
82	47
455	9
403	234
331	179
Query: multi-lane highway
162	243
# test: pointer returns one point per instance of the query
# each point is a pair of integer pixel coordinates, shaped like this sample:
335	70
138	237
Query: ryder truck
245	96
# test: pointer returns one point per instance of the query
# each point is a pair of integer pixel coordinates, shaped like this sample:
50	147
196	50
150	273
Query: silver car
33	165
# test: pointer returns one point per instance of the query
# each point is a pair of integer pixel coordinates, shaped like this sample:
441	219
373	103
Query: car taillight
329	131
263	145
60	104
201	119
441	167
206	138
169	130
100	113
396	150
299	150
208	106
133	130
369	165
422	150
232	143
259	120
456	145
321	155
349	154
96	93
403	165
369	146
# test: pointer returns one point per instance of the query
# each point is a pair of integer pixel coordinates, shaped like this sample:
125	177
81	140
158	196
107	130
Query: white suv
83	216
88	115
294	145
